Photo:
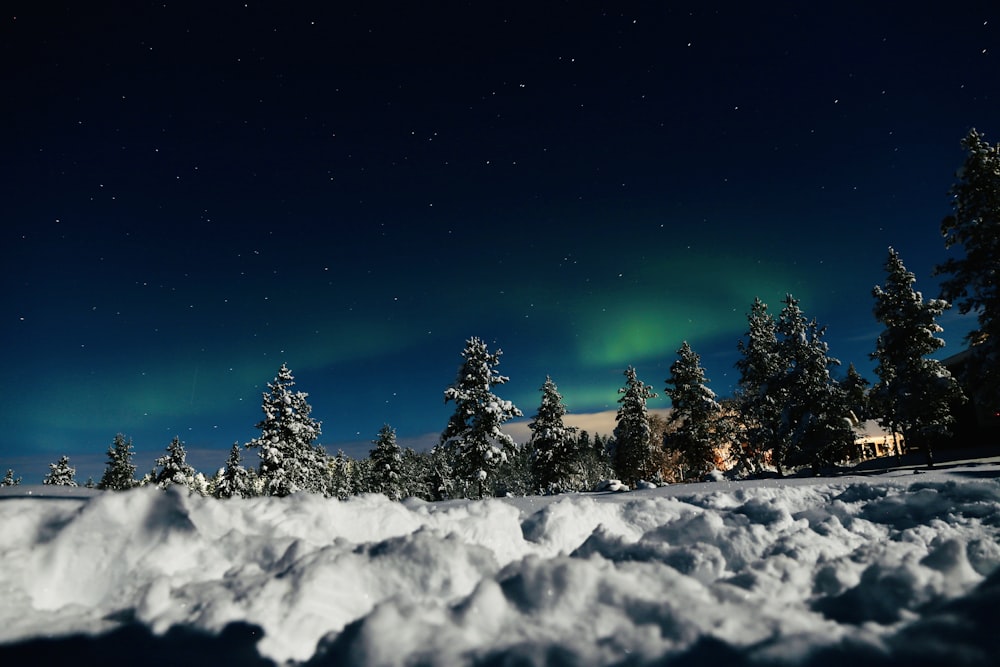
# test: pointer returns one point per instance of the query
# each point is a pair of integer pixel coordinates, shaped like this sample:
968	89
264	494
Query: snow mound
882	570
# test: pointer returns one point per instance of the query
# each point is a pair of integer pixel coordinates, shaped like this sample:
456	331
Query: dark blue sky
194	195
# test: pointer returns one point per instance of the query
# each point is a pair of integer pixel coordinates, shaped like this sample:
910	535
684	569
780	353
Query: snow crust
889	569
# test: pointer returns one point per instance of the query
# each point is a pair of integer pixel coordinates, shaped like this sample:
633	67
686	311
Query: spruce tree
119	473
61	473
473	434
289	460
671	465
914	394
814	428
974	226
340	476
555	463
595	460
173	467
694	413
387	464
856	391
515	476
729	434
9	479
758	392
441	474
231	480
362	478
637	457
415	474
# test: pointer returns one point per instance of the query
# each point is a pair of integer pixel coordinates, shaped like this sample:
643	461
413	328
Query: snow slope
875	570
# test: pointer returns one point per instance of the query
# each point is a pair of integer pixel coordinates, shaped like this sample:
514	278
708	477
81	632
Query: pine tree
231	480
694	412
671	465
814	428
119	473
415	474
473	433
587	461
340	471
441	473
362	477
289	461
637	457
61	473
595	460
856	391
555	463
729	433
914	394
974	225
174	468
387	464
758	393
9	479
515	477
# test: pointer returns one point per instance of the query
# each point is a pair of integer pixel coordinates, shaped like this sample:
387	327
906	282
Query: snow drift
887	569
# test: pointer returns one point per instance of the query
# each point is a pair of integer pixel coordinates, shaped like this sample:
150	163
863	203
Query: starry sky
196	193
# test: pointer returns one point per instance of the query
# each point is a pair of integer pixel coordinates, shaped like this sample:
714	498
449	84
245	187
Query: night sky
194	194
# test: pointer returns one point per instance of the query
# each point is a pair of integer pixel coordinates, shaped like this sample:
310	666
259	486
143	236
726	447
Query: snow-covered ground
897	568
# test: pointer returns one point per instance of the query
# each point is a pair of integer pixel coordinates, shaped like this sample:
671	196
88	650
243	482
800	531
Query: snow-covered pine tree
856	390
586	460
515	477
61	473
671	466
9	479
729	434
415	474
340	476
974	226
387	464
814	426
440	474
473	436
119	473
231	480
289	461
637	457
595	460
361	476
758	392
555	462
694	412
173	467
913	394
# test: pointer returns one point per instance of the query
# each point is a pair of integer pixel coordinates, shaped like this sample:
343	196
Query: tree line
788	410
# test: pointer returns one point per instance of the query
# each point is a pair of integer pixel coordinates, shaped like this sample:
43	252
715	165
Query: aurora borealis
193	196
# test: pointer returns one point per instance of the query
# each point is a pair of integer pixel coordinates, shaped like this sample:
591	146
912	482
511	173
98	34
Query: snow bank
882	570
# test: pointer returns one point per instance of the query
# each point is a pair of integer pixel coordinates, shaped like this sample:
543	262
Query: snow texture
869	570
